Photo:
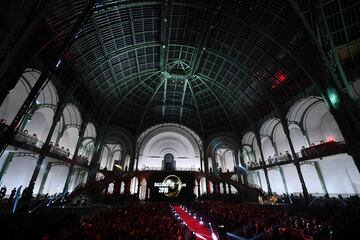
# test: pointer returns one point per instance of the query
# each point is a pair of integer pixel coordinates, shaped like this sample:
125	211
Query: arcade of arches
326	166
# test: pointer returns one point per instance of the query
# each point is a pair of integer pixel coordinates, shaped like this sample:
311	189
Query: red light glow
278	79
330	139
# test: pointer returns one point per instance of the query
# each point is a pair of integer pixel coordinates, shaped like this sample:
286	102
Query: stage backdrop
171	186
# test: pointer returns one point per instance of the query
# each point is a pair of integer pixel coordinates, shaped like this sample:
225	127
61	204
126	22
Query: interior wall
14	101
297	138
267	148
171	140
340	174
56	179
276	183
280	140
19	173
40	123
69	139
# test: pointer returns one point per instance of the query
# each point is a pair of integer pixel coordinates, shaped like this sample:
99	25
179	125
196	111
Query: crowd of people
60	151
82	159
133	222
323	148
271	160
327	222
32	139
21	193
25	137
156	220
314	150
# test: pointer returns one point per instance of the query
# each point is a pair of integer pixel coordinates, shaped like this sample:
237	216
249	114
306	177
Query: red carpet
202	231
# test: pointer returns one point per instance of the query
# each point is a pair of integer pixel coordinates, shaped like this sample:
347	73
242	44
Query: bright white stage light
201	222
199	236
118	166
213	236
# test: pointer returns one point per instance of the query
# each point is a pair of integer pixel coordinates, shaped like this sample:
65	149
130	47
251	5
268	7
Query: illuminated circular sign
171	186
174	185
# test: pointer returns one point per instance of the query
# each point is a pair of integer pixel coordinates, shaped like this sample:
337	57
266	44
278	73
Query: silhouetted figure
288	155
2	192
12	194
24	193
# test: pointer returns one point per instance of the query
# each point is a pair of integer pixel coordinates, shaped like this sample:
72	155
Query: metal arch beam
71	125
166	20
267	94
44	105
88	138
129	49
277	124
230	61
306	112
235	100
292	111
127	79
103	49
221	104
123	98
344	26
325	59
183	98
230	94
119	84
245	71
134	41
164	97
197	110
148	104
233	18
209	23
166	17
118	52
121	5
301	105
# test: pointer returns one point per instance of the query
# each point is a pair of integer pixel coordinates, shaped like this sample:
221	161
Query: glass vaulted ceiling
210	65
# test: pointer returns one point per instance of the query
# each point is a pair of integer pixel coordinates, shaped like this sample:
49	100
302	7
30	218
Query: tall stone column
199	192
94	164
44	178
296	158
280	168
74	158
46	146
257	136
322	182
6	165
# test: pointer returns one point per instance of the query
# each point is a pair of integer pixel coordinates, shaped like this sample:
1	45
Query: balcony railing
23	137
176	169
312	152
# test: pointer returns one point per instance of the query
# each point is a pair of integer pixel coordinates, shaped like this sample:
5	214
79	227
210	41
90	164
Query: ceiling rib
101	43
197	111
